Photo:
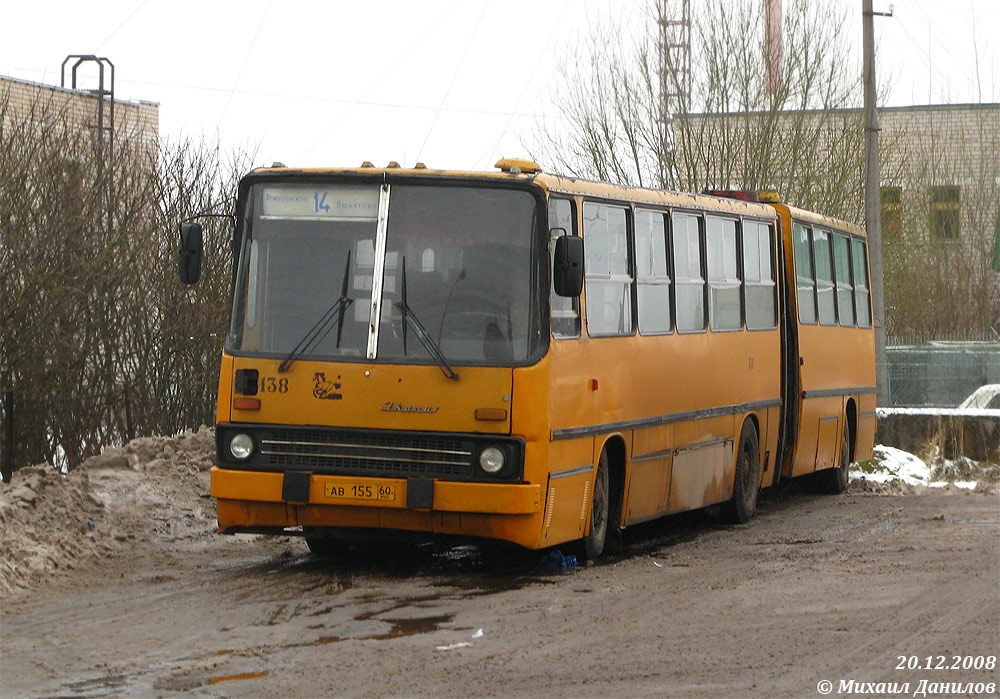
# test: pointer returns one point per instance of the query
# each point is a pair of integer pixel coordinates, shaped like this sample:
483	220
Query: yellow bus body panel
390	396
248	499
831	359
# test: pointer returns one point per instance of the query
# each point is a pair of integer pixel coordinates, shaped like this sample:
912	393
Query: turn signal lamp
491	413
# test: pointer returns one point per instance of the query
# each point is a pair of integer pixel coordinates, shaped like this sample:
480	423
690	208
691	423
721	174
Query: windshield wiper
425	339
322	327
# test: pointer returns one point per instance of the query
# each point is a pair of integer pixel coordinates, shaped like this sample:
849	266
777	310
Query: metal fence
940	372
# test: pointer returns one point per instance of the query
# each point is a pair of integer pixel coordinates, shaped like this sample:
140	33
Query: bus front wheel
747	480
325	547
594	540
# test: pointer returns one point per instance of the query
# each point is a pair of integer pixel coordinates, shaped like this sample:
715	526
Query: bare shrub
92	306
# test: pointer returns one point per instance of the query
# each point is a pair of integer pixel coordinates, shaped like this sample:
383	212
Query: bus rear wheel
834	480
747	480
593	542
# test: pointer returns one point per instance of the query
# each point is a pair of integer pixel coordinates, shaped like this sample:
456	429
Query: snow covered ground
891	464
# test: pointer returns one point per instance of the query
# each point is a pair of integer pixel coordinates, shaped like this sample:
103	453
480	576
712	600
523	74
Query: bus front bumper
258	501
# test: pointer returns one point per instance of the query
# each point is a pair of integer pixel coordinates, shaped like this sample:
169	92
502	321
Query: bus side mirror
189	254
567	266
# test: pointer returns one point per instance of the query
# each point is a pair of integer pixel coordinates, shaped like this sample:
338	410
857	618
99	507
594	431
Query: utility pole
873	200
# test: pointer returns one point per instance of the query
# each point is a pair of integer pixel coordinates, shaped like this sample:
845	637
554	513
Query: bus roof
821	220
420	170
654	197
553	183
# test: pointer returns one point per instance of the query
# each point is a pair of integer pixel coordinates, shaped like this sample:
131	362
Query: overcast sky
454	83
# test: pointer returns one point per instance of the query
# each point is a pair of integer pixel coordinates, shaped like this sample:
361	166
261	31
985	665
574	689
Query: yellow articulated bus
526	357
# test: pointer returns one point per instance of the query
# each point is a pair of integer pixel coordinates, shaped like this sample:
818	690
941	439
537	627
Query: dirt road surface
814	588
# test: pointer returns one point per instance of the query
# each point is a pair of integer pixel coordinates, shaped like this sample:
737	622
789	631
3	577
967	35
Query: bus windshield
459	262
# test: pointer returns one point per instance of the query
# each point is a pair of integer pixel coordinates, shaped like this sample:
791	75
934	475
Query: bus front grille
360	453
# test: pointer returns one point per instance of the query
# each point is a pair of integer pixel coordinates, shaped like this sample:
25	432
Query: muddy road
814	588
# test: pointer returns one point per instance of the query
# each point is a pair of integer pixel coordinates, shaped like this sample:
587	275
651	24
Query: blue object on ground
555	560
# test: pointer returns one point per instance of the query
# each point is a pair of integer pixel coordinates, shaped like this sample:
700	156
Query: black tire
746	483
593	542
833	481
324	546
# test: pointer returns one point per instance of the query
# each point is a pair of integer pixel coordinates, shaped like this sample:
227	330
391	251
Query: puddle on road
98	686
241	676
399	628
187	683
476	569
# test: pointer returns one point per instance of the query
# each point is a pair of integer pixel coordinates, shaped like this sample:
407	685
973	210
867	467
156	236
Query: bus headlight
491	459
241	446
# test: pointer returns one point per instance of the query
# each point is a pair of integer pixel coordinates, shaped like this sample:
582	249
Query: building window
946	212
892	212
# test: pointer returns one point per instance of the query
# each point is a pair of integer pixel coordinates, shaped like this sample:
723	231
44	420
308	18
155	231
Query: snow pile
152	488
47	521
897	467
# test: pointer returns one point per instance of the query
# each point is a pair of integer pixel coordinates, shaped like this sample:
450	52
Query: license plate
360	491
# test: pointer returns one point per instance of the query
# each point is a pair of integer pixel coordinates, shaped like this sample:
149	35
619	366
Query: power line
453	77
938	40
375	85
126	21
932	70
311	98
527	83
247	58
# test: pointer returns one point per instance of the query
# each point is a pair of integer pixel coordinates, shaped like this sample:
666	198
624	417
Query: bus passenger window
608	280
688	275
723	277
804	275
825	301
758	276
565	312
842	272
652	273
861	295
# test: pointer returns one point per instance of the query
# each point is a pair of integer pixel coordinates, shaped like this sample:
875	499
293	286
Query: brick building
940	184
137	121
945	169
